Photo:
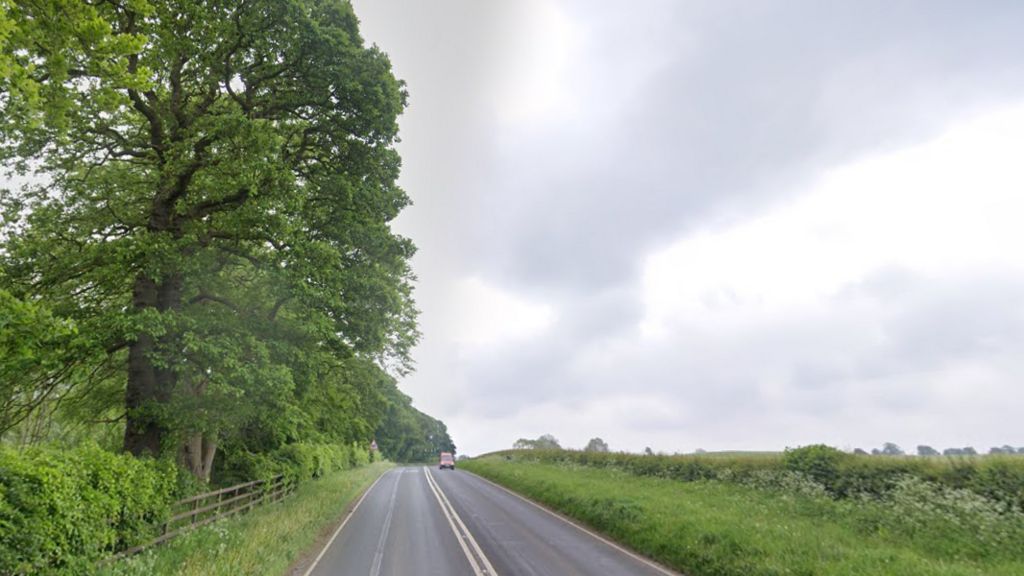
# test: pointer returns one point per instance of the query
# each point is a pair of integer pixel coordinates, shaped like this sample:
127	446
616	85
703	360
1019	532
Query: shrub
819	462
62	510
297	461
949	522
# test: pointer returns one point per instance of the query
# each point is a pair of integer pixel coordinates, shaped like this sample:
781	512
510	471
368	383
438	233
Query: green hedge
841	474
299	461
63	510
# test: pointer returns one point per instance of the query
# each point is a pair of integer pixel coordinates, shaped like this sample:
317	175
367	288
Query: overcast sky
716	225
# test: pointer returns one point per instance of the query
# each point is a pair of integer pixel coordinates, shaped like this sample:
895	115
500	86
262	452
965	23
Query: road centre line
343	522
594	535
464	535
378	557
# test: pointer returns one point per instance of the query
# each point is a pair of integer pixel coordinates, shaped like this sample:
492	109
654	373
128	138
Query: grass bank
716	528
265	541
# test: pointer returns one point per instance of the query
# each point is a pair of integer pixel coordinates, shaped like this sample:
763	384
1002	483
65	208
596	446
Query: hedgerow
840	474
63	510
297	462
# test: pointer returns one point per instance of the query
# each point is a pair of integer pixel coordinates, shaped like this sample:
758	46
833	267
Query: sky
714	225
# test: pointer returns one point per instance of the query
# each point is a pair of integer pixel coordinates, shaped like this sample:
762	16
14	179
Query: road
422	521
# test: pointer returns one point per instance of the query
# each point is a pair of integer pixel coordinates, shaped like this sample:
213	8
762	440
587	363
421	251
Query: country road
421	521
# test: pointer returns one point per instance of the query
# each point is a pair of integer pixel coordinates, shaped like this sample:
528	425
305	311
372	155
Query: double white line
477	560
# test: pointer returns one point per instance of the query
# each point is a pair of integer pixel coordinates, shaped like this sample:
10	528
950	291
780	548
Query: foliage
842	475
544	442
265	541
407	435
596	445
819	462
787	525
211	203
62	510
33	357
298	462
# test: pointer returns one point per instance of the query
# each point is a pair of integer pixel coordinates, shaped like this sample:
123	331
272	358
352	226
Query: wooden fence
205	508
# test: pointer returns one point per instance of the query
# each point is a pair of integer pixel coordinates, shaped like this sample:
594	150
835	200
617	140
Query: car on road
447	461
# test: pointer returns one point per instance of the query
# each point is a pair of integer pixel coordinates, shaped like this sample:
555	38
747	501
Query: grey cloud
754	100
690	115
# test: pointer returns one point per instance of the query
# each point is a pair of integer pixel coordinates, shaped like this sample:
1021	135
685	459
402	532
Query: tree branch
207	207
204	297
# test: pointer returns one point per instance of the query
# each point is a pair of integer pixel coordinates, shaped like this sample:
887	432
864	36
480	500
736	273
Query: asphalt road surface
424	521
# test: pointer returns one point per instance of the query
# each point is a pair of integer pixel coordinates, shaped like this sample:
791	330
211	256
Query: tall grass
265	541
775	522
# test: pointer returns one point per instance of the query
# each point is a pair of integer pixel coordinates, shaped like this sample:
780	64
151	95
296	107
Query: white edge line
343	522
618	547
489	569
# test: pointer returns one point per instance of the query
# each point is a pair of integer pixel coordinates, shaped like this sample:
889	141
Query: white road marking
462	533
343	522
629	553
378	558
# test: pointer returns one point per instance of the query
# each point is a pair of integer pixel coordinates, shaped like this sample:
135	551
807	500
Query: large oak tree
214	182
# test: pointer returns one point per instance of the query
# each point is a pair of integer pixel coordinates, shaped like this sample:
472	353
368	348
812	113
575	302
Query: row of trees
891	449
198	255
549	442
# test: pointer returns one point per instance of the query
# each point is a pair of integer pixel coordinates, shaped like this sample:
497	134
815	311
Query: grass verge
265	541
713	528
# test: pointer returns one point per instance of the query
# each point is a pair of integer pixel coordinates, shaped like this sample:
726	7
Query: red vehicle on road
447	461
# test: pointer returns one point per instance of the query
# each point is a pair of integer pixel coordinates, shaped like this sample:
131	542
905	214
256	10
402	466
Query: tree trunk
209	451
197	455
150	384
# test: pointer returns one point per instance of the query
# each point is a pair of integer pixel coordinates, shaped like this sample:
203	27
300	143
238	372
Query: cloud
488	316
714	224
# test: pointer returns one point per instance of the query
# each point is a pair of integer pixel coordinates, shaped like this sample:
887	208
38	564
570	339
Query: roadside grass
266	540
715	528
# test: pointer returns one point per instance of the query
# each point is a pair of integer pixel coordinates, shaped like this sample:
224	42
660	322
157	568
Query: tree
544	442
596	445
33	363
548	442
969	451
860	452
408	435
890	449
923	450
953	452
219	182
648	451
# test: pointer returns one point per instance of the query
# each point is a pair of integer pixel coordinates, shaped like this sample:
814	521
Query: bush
297	461
819	462
63	510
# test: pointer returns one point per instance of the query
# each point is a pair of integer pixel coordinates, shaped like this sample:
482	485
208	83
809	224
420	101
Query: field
755	515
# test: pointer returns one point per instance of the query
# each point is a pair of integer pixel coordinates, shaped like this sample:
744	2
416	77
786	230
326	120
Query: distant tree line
891	449
549	442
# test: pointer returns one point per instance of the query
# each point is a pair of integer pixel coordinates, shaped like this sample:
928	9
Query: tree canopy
211	186
543	442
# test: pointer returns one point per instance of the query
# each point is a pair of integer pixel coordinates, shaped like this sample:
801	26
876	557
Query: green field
265	541
788	524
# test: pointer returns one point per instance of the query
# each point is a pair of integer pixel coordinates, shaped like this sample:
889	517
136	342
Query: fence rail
203	509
